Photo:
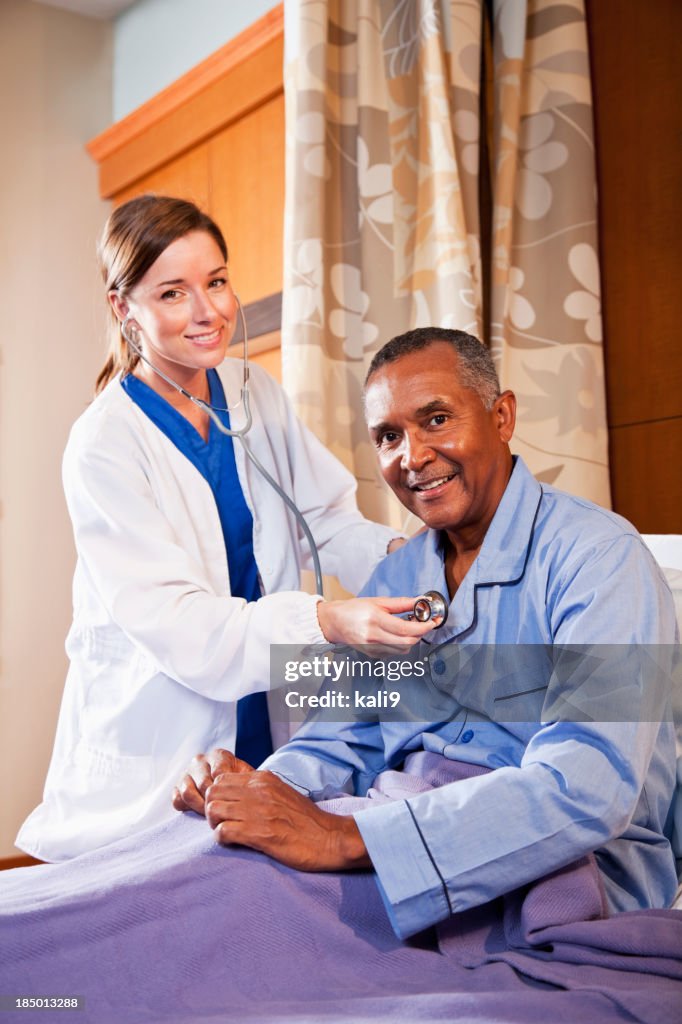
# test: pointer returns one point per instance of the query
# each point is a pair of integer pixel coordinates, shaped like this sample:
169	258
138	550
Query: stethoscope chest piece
431	605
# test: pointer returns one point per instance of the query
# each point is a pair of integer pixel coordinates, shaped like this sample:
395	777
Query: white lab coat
159	650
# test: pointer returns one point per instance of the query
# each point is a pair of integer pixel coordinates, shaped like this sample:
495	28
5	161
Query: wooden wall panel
246	167
645	462
8	863
271	360
265	351
187	177
190	124
239	77
637	81
637	91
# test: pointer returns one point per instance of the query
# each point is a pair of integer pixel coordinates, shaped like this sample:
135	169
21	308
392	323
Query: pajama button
468	736
439	667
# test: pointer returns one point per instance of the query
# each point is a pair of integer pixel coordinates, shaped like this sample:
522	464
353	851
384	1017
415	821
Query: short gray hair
476	368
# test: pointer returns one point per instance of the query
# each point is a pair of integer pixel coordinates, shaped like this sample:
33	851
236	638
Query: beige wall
55	81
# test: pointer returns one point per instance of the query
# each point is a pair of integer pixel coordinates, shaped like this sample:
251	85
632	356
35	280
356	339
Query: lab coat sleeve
349	545
325	757
577	784
155	591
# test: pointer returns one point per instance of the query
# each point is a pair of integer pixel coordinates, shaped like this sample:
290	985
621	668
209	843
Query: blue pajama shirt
553	570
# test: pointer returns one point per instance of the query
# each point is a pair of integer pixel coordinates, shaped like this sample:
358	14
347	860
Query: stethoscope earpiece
131	333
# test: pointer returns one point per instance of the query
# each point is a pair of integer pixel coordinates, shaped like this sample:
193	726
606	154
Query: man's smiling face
443	454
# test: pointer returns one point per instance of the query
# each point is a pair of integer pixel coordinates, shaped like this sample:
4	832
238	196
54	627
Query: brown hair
134	237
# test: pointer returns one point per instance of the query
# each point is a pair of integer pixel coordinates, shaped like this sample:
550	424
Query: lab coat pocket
102	769
98	644
101	795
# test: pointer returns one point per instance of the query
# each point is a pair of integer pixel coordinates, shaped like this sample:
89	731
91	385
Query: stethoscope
427	606
431	605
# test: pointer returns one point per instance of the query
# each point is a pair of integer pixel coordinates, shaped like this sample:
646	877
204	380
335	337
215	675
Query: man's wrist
351	845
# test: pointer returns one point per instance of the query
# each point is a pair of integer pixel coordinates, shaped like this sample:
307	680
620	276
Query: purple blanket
168	926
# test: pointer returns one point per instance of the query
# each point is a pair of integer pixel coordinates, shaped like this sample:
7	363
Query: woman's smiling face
185	307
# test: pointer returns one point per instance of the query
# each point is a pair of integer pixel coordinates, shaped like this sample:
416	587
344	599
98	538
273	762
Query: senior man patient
491	850
524	564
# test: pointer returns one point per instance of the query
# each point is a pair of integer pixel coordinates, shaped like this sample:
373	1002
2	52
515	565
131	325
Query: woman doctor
188	561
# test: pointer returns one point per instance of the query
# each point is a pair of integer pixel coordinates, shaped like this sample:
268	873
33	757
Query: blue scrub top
215	460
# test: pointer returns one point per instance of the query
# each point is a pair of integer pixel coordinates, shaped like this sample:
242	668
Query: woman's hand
190	792
371	620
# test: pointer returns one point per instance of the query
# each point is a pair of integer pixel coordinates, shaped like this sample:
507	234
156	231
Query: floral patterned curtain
440	170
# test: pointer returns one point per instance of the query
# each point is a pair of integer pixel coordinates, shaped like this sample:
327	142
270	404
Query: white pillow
674	578
667	550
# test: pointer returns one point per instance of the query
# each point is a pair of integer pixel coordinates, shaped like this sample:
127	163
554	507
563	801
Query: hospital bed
176	928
